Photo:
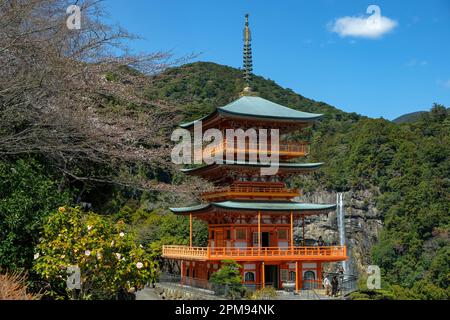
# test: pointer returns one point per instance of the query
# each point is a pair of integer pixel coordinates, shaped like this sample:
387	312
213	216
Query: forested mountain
409	117
406	166
86	177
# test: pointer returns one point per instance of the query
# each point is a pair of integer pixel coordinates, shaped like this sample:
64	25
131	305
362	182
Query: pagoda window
241	234
255	239
249	276
282	234
284	275
292	276
228	235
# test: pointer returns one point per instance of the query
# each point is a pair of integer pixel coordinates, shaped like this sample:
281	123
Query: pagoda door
219	239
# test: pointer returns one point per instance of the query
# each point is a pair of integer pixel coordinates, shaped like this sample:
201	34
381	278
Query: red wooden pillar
182	271
300	276
263	276
319	272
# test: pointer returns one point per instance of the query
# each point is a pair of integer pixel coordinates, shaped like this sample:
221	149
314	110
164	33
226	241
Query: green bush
229	280
28	194
106	253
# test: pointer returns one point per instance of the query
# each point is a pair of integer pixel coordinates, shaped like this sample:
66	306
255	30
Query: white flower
63	256
122	234
139	265
87	253
36	256
118	256
112	243
141	246
89	228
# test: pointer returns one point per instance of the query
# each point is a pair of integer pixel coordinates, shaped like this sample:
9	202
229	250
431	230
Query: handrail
251	190
297	147
320	253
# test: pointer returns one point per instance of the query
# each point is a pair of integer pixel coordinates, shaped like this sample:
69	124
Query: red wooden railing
331	253
291	149
257	192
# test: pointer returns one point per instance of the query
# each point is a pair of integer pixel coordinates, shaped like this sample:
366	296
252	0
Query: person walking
327	285
320	242
334	286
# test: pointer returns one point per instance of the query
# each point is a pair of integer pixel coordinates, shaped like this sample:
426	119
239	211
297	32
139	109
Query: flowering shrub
106	254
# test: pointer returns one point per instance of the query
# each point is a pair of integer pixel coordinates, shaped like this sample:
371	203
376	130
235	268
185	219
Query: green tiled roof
256	164
256	107
255	206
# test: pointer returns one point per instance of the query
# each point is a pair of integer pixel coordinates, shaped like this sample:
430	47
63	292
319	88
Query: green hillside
86	177
407	166
200	87
409	117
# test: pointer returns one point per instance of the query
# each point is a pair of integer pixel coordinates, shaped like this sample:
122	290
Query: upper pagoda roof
258	108
272	206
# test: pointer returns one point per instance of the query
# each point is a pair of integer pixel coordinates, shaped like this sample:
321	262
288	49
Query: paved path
147	294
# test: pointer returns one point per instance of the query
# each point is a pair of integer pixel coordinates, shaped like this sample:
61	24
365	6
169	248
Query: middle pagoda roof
218	171
257	108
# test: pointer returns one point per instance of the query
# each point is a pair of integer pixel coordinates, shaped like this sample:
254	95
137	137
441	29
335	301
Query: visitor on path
320	242
327	285
334	286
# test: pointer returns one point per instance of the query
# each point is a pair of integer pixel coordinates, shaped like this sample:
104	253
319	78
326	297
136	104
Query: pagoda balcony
250	192
316	253
286	149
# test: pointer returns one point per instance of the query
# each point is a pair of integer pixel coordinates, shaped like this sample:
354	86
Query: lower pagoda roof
271	206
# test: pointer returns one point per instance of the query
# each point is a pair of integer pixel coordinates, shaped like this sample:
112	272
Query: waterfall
341	225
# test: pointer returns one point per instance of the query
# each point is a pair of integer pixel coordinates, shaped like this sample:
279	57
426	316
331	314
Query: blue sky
317	48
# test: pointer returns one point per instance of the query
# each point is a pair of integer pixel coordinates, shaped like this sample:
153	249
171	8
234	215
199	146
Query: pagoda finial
248	60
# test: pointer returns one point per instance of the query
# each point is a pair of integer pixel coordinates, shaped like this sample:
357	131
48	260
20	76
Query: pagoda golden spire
248	59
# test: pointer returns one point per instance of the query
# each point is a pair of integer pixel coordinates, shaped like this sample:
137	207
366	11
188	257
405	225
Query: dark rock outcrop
363	223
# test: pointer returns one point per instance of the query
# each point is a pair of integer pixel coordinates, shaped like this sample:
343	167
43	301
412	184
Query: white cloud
416	63
371	27
444	83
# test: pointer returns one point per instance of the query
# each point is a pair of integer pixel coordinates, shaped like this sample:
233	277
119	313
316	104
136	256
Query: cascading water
341	225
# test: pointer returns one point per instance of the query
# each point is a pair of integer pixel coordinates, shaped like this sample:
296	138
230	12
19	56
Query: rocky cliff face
362	225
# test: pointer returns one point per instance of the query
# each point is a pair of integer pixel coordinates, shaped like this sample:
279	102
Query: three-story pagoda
250	216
